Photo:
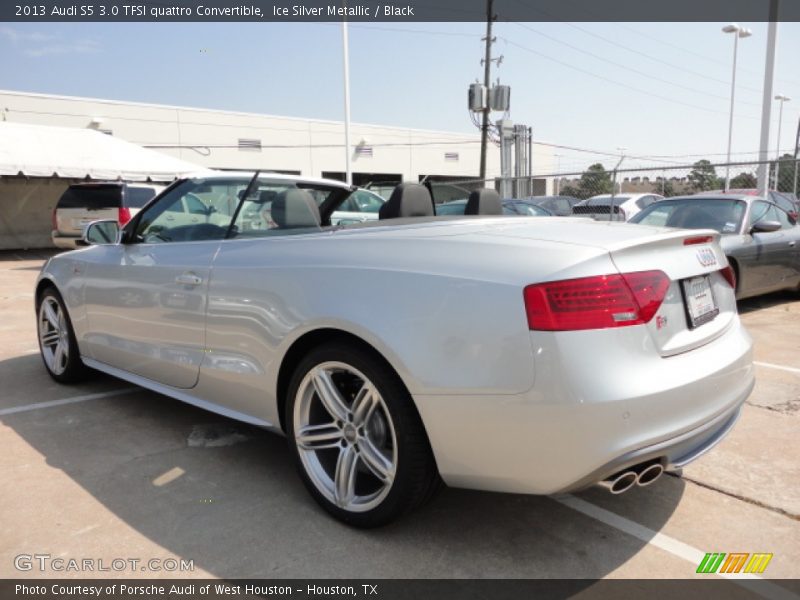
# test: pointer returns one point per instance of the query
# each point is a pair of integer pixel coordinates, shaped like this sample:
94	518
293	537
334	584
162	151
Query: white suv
83	203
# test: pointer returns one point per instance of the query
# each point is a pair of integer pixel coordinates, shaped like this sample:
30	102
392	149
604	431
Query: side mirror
102	233
765	226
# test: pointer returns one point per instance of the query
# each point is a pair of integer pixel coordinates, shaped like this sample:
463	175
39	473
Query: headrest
407	200
484	201
295	208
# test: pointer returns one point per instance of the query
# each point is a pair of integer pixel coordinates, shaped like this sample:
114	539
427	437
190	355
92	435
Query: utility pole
766	103
487	67
796	148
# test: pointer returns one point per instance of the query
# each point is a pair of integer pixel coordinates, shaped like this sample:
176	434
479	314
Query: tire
57	344
356	437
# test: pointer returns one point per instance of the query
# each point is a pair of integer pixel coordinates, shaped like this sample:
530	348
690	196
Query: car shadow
226	496
767	301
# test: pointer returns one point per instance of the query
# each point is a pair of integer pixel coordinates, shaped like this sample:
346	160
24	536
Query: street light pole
738	32
782	99
348	176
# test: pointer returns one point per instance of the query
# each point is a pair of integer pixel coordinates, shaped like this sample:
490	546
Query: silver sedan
508	354
760	239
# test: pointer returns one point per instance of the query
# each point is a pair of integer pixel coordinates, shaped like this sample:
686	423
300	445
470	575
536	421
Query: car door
146	298
765	261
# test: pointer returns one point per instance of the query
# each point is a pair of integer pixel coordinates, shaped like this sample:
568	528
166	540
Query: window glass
784	219
194	210
137	197
762	211
91	196
366	201
724	216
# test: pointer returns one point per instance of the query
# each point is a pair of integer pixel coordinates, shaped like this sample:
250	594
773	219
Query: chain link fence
660	180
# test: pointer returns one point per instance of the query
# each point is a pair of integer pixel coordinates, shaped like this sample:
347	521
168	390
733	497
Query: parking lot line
669	544
779	367
28	407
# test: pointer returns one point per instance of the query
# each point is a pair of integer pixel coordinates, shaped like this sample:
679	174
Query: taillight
596	302
123	216
730	276
700	239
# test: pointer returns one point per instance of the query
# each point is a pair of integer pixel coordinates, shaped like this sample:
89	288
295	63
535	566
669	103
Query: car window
724	216
782	201
784	219
365	201
762	211
194	210
137	197
564	206
645	201
91	197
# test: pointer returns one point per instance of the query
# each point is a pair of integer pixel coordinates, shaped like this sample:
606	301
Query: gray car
760	239
513	354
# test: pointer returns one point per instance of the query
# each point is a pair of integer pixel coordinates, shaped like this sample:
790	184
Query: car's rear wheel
358	440
57	343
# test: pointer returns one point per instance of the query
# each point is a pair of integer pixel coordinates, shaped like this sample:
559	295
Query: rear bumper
67	242
592	413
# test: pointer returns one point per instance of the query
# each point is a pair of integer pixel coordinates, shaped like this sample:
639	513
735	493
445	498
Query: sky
659	90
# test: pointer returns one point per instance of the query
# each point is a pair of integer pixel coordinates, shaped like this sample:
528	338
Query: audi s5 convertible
514	354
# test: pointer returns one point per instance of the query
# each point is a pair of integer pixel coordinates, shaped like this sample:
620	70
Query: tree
594	180
744	181
785	173
703	177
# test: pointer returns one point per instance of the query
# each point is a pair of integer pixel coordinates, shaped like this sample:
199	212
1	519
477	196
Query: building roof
45	151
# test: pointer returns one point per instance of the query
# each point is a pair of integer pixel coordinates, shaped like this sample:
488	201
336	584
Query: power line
629	68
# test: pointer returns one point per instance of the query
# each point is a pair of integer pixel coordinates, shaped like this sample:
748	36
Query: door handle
188	279
792	244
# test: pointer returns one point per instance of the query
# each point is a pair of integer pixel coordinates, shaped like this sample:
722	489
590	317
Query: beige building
234	140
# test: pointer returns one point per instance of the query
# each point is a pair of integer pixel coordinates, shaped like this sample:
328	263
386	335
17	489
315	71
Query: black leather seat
484	201
407	200
295	208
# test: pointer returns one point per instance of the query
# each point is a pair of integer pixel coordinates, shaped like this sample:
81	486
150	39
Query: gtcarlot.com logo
59	564
735	562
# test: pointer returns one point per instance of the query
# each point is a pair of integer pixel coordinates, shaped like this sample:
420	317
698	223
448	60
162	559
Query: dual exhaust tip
641	475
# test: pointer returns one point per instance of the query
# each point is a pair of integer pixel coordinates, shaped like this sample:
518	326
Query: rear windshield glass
723	215
91	197
137	197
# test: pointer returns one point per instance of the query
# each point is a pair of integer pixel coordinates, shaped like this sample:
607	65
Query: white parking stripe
779	367
27	407
754	583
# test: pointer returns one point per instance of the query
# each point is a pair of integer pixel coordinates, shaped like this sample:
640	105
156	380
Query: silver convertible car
512	354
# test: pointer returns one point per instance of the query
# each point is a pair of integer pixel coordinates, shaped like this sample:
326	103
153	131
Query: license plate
700	304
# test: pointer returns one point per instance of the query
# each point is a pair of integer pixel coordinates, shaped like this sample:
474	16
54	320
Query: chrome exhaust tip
621	482
649	474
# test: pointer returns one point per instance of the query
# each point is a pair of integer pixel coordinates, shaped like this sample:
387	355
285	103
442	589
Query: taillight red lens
124	216
596	302
730	276
700	239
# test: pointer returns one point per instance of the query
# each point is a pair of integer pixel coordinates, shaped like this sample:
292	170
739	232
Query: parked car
361	205
83	203
510	207
761	240
629	204
507	354
560	206
785	200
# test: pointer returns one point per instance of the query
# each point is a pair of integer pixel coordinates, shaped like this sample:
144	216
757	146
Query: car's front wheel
57	343
358	440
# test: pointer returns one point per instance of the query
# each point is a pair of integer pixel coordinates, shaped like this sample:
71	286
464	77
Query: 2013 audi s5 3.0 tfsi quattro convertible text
512	354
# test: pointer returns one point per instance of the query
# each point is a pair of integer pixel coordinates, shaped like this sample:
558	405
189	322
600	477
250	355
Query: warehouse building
381	156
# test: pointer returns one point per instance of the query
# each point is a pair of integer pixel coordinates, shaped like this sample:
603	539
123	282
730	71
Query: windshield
205	208
724	216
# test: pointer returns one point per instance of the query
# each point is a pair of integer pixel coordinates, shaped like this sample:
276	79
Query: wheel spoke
59	356
51	315
364	405
345	476
319	437
328	394
50	337
375	461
